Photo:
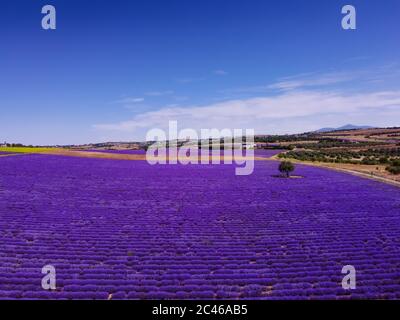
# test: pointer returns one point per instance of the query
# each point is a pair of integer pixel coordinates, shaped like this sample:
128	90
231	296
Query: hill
345	127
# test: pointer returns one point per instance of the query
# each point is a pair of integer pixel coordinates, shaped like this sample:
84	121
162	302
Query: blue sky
112	70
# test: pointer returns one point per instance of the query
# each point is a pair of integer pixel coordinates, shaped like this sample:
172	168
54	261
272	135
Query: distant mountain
345	127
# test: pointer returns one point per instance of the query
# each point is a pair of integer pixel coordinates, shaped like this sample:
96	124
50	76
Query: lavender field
128	230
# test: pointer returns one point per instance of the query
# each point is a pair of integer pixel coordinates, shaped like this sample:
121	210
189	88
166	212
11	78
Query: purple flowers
125	229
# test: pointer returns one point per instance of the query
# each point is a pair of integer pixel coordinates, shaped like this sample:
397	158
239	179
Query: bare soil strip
98	155
120	156
377	172
11	154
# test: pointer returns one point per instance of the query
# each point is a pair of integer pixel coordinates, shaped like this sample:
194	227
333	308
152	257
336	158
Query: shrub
286	167
393	169
395	163
383	160
290	147
368	161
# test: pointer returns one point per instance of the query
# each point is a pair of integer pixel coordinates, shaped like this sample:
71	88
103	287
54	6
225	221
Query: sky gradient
112	70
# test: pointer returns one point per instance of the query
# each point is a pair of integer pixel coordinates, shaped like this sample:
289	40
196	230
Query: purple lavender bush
128	230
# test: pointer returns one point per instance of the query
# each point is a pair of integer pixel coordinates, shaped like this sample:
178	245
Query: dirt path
120	156
363	171
11	154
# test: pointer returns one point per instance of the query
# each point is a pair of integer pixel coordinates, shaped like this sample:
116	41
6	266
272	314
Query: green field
25	149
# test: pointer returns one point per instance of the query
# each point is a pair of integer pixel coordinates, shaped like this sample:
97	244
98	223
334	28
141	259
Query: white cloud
313	80
291	111
129	100
220	72
318	80
293	104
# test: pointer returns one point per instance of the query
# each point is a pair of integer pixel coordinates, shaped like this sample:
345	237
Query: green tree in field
286	167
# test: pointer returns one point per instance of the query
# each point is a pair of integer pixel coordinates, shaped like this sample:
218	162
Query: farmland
25	149
372	152
128	230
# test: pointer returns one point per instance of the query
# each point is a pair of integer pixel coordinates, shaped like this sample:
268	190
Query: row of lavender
125	229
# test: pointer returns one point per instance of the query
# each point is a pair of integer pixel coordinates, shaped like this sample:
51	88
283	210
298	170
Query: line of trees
15	145
369	157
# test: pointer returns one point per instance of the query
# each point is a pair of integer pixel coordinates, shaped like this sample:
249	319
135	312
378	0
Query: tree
393	169
286	167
